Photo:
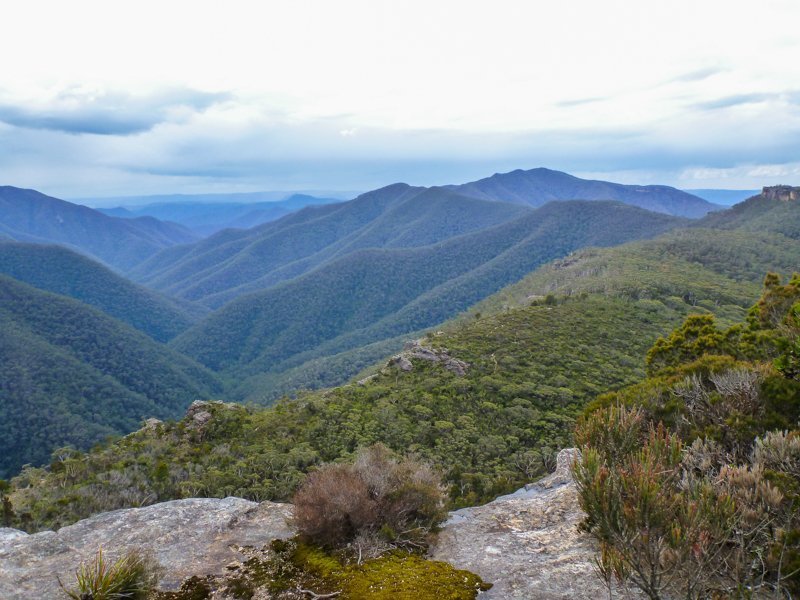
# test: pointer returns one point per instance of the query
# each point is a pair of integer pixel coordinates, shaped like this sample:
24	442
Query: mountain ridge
30	216
70	374
536	186
58	269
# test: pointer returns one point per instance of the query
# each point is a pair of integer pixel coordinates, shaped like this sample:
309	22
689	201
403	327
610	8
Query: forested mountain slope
697	267
372	295
527	373
60	270
685	265
535	187
232	263
29	216
69	374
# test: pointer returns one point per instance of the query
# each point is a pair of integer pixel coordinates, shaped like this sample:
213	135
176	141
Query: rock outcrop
186	537
417	350
527	544
784	193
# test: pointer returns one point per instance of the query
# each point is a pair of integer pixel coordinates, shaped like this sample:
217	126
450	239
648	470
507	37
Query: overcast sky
119	98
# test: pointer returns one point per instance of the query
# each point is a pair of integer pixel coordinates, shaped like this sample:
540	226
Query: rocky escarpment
784	193
527	544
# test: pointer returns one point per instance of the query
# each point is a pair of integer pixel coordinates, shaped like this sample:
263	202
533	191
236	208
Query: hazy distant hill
30	216
206	216
723	197
231	263
537	186
62	271
70	374
379	293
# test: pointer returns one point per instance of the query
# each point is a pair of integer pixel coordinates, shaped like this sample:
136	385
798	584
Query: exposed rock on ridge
416	350
784	193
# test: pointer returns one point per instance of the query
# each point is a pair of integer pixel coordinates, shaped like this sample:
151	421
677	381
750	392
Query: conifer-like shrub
377	500
690	480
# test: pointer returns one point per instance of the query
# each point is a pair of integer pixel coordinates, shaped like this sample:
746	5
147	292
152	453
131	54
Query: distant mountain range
205	217
126	236
231	263
538	186
371	294
30	216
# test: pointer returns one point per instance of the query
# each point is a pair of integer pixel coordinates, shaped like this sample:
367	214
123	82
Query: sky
132	98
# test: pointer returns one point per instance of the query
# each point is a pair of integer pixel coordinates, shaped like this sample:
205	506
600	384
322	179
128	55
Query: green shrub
131	577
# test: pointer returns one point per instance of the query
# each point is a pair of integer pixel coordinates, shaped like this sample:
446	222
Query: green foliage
707	509
131	577
697	336
531	371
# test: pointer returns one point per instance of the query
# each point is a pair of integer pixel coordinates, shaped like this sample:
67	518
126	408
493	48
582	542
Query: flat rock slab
187	537
527	544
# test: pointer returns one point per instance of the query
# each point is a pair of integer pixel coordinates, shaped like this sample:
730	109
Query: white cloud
649	89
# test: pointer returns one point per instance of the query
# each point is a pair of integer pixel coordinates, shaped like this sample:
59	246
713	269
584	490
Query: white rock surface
186	537
527	543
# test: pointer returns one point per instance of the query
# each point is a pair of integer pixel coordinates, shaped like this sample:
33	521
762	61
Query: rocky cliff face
527	544
784	193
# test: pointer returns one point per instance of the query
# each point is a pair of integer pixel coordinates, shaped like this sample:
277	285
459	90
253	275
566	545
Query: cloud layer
188	97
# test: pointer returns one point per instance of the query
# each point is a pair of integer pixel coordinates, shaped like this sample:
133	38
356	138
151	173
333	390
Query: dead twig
315	596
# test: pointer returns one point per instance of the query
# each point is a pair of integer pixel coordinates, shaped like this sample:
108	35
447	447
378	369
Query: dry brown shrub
333	504
399	501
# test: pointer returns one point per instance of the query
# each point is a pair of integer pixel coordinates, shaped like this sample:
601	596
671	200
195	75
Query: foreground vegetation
691	478
295	570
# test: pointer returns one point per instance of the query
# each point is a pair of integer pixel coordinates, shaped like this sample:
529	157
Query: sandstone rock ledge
527	543
187	537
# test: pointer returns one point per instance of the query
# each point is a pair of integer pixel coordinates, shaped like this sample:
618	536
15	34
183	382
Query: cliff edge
527	543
